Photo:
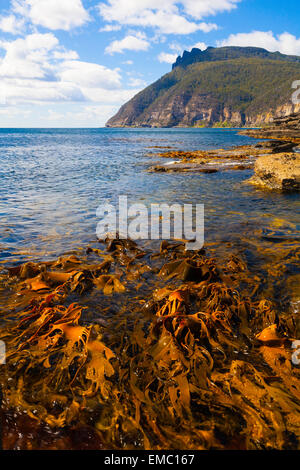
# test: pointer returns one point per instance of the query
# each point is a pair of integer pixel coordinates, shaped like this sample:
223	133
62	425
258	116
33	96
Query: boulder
280	171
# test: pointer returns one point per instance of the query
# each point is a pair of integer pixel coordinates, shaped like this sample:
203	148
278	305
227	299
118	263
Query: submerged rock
210	161
280	171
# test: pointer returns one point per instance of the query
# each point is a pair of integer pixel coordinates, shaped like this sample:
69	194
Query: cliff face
212	54
225	86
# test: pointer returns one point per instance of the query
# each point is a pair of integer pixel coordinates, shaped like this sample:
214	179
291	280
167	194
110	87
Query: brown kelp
123	347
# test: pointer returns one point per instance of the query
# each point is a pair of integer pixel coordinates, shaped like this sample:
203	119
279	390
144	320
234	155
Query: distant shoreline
123	127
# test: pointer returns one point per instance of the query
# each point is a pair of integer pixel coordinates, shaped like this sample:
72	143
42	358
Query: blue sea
53	180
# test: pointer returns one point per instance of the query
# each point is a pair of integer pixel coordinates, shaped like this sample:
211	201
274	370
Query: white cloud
202	8
89	113
208	27
10	24
137	82
116	97
130	42
63	115
66	55
285	43
167	57
89	75
32	92
110	27
174	46
168	16
14	112
37	73
55	116
36	70
84	116
52	14
28	57
198	45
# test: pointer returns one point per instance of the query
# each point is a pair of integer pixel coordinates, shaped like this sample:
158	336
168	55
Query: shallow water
53	180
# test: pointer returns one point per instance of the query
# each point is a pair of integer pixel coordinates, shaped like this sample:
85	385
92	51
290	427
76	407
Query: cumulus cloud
110	27
208	27
36	69
285	43
169	16
10	24
199	45
90	114
167	57
130	42
37	92
66	55
116	97
89	75
52	14
28	57
83	116
202	8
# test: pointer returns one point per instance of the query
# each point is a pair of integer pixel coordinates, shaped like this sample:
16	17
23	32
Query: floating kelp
51	352
135	349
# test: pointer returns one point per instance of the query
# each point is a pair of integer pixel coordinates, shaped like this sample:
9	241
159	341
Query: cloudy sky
72	63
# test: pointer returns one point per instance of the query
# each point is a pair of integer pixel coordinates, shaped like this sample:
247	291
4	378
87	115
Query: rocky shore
276	162
280	170
212	161
284	129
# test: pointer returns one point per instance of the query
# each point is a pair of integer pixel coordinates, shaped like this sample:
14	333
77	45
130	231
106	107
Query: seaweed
142	349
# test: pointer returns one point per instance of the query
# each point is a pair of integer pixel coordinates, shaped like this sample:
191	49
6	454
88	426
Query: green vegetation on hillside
249	86
212	54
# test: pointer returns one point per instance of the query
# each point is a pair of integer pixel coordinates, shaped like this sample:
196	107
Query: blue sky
73	63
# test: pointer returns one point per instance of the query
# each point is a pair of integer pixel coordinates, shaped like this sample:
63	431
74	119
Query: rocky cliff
230	86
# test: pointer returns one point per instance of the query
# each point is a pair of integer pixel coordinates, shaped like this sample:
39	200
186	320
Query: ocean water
53	180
